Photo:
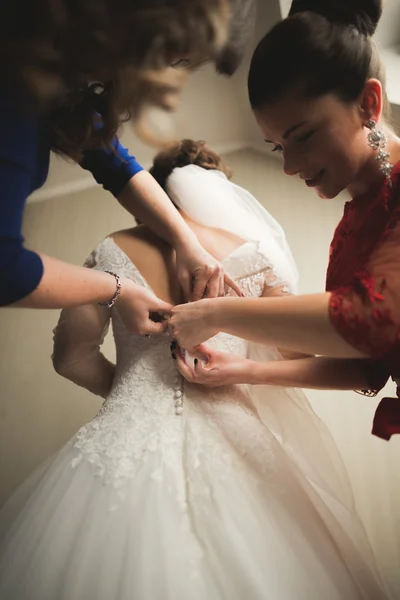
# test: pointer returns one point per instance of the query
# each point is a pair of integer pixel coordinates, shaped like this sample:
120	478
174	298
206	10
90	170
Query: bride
175	492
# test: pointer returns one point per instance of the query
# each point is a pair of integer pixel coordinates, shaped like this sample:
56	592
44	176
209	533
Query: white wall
269	13
388	31
208	110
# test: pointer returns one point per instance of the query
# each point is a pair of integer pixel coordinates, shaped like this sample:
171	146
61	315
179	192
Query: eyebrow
289	132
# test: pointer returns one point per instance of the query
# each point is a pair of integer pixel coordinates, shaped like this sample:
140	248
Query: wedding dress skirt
216	503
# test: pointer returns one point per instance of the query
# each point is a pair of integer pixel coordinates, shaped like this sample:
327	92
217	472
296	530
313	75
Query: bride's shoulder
130	251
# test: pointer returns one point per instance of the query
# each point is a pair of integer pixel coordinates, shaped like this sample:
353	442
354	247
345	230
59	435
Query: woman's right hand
137	305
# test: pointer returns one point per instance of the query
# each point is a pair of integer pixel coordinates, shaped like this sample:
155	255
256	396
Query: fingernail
173	345
196	360
173	356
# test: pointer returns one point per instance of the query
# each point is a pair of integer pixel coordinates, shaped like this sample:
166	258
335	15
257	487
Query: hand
201	275
141	311
213	368
190	324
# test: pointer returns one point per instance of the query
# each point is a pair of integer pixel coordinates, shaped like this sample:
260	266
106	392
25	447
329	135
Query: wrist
219	314
185	241
108	287
213	313
112	301
127	286
257	373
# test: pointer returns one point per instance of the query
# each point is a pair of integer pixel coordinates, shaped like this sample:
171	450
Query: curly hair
186	152
127	45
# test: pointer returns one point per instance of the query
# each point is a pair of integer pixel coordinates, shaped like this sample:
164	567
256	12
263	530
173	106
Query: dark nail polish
173	356
196	360
173	345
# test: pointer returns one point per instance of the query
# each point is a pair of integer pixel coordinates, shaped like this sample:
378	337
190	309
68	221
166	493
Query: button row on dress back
178	395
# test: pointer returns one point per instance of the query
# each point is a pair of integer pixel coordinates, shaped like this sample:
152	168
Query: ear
371	101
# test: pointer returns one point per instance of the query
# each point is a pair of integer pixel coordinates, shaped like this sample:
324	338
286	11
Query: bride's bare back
155	259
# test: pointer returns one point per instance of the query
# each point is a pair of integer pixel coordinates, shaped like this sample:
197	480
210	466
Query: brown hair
186	152
56	46
325	46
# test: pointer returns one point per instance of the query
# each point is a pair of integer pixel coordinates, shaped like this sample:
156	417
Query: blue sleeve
111	167
20	269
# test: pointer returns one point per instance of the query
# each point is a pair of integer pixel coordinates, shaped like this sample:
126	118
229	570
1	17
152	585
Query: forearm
291	355
312	373
280	291
145	199
296	323
64	285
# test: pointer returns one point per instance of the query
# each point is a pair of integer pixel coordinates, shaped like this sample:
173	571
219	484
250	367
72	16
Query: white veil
209	198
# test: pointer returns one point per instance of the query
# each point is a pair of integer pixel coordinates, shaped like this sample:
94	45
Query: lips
315	181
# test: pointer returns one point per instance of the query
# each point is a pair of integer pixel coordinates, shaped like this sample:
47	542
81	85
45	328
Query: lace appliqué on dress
253	271
137	422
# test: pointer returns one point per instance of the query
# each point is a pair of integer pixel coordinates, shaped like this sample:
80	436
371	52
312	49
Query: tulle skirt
215	510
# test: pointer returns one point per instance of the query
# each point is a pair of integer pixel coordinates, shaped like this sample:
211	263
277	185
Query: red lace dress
364	280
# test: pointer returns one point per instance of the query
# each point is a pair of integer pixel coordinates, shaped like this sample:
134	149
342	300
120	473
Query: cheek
349	146
342	155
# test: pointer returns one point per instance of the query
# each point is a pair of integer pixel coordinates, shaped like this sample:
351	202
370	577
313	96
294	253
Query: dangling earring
378	140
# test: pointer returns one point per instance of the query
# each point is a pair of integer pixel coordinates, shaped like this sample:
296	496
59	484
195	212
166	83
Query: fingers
198	374
202	351
232	284
171	328
185	282
159	314
201	373
214	284
183	368
152	328
221	286
201	279
159	306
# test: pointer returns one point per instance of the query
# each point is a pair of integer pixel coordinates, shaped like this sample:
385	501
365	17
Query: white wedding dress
215	503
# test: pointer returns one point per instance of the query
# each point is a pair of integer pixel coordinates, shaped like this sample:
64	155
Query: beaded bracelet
113	300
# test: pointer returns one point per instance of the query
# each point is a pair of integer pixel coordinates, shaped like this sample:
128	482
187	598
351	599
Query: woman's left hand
213	368
201	275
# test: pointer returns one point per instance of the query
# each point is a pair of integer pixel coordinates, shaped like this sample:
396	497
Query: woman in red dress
317	89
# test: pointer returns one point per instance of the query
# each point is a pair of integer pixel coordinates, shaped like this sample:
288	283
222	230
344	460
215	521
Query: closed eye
305	137
276	147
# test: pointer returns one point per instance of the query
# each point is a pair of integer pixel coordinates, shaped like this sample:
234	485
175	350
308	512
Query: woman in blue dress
51	53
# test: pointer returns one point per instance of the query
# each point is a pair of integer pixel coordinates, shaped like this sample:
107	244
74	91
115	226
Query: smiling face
322	140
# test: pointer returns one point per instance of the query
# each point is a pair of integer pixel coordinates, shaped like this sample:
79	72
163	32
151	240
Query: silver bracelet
113	300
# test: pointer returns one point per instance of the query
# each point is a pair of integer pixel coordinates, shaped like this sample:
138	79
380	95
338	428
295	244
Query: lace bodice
148	400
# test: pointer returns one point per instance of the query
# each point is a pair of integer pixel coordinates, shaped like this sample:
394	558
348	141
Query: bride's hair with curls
53	49
183	153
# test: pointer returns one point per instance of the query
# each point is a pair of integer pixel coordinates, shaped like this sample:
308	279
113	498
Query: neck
370	175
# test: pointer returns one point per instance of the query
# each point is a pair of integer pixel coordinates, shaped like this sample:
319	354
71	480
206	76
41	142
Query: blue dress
25	143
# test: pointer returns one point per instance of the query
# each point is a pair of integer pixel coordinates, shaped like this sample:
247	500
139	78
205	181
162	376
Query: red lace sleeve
365	275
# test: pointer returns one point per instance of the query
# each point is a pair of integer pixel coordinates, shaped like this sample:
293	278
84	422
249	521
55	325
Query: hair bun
362	14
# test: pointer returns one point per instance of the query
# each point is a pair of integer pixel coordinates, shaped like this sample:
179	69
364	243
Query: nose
290	164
